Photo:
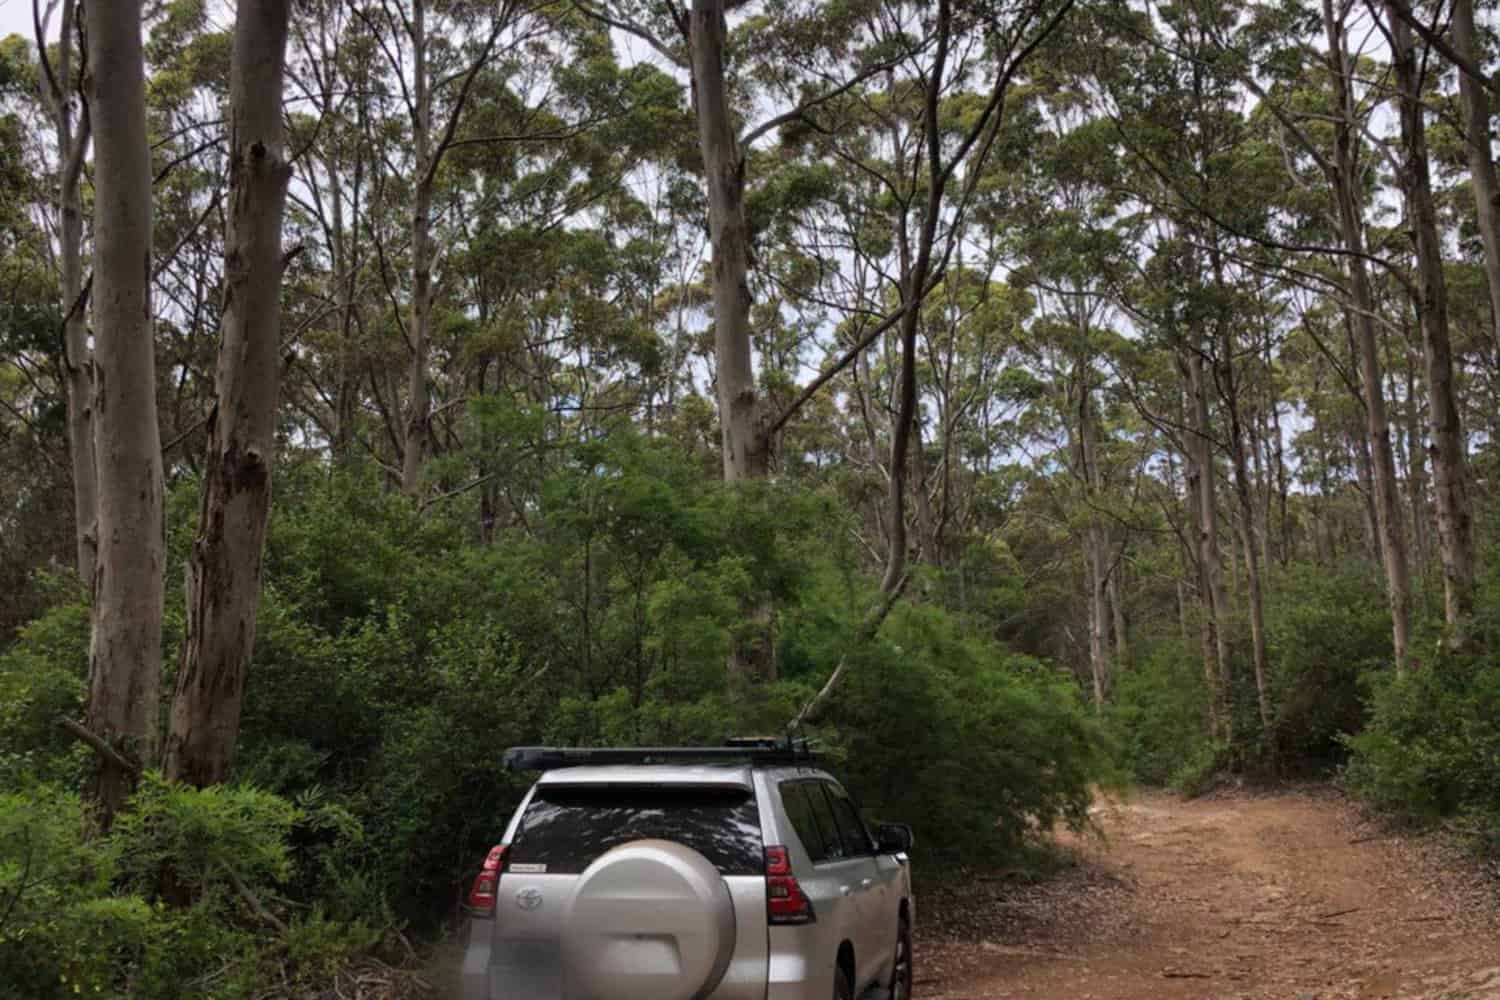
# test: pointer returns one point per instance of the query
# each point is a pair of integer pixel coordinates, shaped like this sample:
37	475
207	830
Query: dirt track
1289	896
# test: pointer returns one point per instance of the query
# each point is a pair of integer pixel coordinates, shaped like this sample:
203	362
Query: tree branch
631	28
100	744
867	631
850	355
1434	38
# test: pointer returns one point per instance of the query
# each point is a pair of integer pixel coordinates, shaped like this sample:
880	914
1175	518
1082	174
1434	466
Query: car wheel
901	977
842	988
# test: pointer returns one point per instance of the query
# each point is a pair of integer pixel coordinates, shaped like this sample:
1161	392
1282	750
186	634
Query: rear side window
856	835
565	828
794	798
828	828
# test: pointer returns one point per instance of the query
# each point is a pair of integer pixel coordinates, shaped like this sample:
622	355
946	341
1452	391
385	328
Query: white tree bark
1096	539
224	567
741	410
77	361
125	648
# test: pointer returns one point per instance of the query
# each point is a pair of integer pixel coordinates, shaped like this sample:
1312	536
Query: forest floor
1292	895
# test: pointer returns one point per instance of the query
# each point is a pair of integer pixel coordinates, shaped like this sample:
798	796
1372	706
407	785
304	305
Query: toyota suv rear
729	873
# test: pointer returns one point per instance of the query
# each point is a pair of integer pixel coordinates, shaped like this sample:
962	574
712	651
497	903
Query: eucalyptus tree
125	648
62	89
1430	295
1477	90
225	565
1175	113
331	65
1069	250
434	64
1322	134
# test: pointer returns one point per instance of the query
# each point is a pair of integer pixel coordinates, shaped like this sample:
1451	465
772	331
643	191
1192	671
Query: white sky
15	17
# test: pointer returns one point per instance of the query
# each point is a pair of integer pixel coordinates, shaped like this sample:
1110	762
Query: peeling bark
225	565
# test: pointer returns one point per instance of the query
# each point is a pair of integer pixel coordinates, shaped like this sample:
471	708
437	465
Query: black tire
842	988
902	975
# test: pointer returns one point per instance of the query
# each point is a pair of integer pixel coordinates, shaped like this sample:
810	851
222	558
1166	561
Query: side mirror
894	838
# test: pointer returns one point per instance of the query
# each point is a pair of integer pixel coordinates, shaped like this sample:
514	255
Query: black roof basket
740	750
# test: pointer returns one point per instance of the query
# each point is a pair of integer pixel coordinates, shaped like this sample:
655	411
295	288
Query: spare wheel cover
649	920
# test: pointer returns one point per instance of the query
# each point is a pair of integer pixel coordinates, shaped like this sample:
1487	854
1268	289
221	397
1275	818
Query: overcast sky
15	17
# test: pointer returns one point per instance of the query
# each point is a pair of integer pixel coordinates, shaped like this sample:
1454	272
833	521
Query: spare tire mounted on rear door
649	920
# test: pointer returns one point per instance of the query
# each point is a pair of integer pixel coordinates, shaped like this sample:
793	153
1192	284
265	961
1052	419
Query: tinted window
566	828
794	798
833	844
856	836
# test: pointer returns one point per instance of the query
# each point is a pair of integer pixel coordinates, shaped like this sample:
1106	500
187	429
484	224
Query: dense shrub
42	677
1326	628
978	749
1431	751
176	902
1158	717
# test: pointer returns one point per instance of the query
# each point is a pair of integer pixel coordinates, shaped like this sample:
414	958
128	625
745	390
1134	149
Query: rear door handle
844	890
866	883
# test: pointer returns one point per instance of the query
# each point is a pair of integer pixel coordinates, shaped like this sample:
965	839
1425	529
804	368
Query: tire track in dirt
1291	896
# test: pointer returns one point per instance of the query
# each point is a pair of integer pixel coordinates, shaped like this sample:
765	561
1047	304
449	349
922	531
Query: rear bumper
792	977
474	978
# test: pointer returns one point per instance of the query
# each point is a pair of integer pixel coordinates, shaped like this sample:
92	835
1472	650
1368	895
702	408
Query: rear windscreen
566	827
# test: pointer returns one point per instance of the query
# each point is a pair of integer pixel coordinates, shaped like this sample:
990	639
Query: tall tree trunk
1096	542
1261	486
224	568
1257	610
1207	632
741	412
1208	516
78	376
418	403
927	523
742	426
1476	105
1349	193
1449	450
125	646
345	393
1282	488
1117	609
1229	392
1417	475
1206	521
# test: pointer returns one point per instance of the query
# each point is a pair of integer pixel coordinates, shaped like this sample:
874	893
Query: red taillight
786	903
482	895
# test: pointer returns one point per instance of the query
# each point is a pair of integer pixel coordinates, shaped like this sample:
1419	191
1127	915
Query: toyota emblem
529	899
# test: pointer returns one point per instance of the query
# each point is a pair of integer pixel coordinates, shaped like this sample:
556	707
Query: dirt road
1289	896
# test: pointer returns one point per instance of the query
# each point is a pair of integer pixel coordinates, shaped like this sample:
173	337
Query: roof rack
752	750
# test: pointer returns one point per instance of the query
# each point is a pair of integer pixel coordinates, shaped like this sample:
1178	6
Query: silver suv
725	873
